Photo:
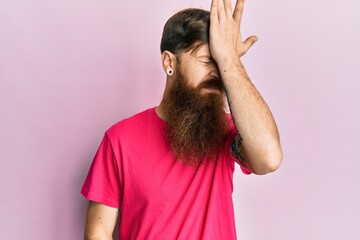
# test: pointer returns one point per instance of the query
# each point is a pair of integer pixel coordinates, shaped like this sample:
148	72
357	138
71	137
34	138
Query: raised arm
100	221
258	146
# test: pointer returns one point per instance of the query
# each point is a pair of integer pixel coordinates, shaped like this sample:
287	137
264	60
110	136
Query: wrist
228	64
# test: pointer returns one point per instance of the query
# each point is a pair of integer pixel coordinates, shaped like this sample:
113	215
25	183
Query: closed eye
206	59
209	61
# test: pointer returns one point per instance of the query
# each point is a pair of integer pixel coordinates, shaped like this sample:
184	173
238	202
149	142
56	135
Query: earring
169	71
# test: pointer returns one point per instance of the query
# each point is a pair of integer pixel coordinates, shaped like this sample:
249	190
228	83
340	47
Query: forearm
252	118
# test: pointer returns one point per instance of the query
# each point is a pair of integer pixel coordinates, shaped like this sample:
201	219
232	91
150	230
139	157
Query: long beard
197	124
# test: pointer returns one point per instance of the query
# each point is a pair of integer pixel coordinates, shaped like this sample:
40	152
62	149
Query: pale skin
257	147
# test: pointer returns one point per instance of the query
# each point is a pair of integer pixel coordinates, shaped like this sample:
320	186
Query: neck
160	111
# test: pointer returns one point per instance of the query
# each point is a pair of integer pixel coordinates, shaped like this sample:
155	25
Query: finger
214	11
249	42
220	9
228	8
238	12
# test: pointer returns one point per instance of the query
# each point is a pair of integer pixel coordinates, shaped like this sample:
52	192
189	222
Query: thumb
250	41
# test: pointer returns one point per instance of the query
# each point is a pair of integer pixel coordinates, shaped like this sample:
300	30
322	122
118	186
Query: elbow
270	162
275	163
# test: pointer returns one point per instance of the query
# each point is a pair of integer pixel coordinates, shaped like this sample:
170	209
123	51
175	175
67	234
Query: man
169	169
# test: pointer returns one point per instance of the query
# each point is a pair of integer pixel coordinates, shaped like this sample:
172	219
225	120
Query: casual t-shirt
160	197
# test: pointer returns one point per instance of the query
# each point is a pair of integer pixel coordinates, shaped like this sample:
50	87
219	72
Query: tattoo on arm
236	149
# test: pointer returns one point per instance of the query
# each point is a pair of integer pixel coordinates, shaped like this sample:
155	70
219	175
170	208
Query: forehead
200	52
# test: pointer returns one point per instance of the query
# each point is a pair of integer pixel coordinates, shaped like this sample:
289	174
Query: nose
214	73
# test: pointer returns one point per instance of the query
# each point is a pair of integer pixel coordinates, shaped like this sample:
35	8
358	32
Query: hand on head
225	38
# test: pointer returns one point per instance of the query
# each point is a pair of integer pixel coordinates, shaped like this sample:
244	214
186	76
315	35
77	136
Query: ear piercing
169	71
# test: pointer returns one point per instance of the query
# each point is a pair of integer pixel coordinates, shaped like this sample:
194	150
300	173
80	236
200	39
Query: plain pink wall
70	69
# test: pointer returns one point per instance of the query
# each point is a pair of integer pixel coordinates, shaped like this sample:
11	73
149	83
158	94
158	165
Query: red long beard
197	124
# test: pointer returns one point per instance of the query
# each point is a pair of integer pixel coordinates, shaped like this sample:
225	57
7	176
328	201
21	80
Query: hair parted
186	30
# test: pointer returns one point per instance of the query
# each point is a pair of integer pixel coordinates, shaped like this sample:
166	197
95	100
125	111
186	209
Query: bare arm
100	221
258	147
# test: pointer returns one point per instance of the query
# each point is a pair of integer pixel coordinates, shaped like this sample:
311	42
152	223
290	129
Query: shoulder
128	125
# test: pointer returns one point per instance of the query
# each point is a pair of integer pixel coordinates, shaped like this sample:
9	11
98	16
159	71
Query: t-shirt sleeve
229	141
102	183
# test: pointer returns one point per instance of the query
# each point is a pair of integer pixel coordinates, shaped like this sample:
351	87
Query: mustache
213	82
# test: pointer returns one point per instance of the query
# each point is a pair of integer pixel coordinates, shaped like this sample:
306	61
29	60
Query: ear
168	61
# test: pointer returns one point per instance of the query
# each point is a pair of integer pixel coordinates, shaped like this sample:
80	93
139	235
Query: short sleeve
229	141
102	183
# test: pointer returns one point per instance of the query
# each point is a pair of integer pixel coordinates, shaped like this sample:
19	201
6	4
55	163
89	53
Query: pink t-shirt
160	198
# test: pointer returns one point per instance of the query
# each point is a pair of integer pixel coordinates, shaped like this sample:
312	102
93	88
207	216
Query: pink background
70	69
